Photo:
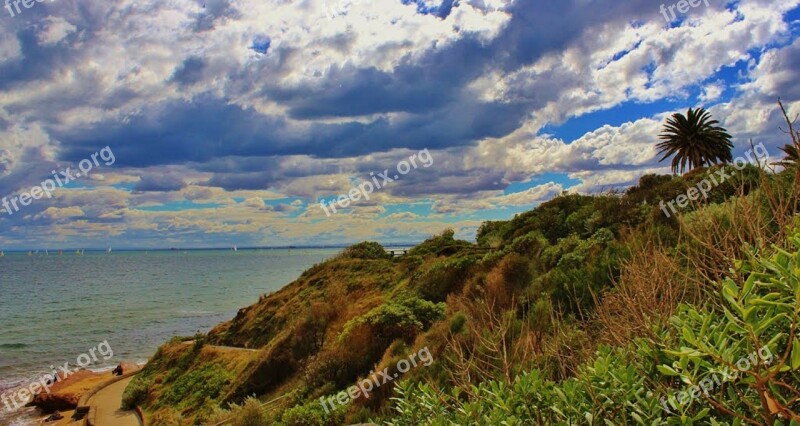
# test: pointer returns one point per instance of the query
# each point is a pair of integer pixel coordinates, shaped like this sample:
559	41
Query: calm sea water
55	308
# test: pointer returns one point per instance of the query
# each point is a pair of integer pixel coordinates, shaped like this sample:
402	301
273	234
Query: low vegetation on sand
586	310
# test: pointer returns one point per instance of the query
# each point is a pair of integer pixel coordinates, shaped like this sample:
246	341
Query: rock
54	417
65	394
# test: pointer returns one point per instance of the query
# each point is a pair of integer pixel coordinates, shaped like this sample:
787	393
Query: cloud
234	118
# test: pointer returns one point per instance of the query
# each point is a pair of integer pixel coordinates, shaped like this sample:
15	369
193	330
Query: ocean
55	308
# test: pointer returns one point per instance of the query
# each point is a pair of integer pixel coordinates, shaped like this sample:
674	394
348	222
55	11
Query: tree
695	140
792	158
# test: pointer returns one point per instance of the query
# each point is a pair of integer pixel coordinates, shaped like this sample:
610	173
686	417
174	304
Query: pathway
107	402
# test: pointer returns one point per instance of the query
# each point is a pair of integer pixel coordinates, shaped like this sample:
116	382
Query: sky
213	123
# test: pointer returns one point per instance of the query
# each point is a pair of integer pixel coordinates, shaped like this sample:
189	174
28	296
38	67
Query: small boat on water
109	250
235	248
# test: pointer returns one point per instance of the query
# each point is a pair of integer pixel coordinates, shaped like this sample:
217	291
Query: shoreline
64	396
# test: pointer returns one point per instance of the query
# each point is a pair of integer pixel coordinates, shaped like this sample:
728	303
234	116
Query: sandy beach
66	395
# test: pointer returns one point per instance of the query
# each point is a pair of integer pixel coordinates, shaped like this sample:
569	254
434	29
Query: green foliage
632	385
792	158
398	319
695	140
759	317
610	389
532	244
195	386
577	269
457	323
250	413
312	414
365	251
443	244
444	277
136	392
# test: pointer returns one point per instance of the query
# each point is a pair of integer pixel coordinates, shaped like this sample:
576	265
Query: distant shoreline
70	251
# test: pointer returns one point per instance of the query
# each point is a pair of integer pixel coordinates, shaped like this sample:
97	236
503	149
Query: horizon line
227	248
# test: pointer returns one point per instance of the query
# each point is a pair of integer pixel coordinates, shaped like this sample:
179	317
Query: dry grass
655	280
495	346
651	285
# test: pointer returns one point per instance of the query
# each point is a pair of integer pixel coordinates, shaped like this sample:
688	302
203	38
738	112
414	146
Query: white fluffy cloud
236	117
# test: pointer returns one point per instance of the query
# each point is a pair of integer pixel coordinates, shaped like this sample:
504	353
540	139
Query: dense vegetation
585	310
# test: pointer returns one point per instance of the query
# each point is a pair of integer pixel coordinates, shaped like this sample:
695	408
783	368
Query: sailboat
235	248
109	250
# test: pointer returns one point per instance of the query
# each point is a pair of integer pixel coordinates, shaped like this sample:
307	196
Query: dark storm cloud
36	62
213	11
207	128
432	90
246	181
159	182
190	71
418	87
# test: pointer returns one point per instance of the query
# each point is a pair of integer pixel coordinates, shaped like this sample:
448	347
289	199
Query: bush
136	393
251	413
194	387
444	277
749	330
167	417
458	322
312	414
398	319
365	251
443	244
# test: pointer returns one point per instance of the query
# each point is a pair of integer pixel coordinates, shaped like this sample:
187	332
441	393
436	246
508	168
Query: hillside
546	302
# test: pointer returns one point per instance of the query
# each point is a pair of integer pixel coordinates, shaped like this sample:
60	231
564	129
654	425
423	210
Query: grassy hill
583	310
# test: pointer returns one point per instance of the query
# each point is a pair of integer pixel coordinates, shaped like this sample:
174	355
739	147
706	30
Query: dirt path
107	402
224	348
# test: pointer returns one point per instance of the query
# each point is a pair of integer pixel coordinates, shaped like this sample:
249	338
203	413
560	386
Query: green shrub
398	319
457	323
634	384
443	244
365	251
194	387
136	392
444	277
312	414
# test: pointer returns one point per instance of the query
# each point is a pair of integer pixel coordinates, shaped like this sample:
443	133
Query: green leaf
667	370
795	354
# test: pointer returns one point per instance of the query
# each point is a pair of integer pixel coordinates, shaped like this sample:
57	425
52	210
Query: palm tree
695	140
792	157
